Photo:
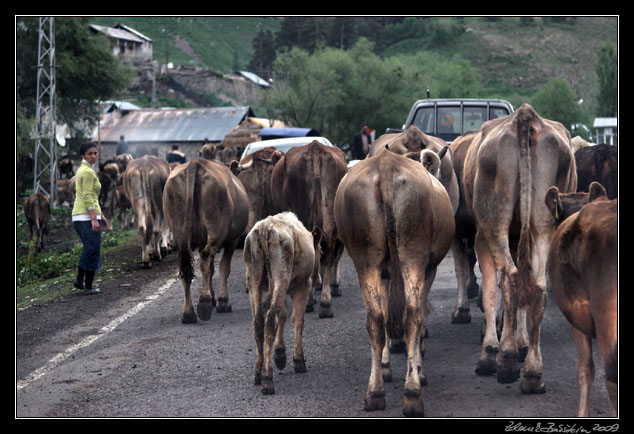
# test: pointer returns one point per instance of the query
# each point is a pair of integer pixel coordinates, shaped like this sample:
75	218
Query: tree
86	71
336	91
556	101
607	71
263	54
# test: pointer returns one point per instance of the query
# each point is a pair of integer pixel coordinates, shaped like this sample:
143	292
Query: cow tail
266	236
526	286
396	294
192	222
183	230
147	204
317	191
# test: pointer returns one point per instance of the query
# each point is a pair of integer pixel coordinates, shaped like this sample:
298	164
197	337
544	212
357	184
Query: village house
126	42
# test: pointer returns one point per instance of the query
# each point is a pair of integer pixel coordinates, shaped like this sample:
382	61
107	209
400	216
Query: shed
126	42
160	129
606	130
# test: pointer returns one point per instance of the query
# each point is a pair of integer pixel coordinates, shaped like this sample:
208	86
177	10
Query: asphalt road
138	360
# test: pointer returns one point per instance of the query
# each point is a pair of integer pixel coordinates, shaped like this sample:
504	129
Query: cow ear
276	156
597	192
233	166
429	159
553	203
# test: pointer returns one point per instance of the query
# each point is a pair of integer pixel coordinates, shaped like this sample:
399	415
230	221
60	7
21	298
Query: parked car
282	144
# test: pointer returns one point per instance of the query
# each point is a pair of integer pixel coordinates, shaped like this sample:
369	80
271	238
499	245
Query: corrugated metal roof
255	78
117	33
172	125
131	30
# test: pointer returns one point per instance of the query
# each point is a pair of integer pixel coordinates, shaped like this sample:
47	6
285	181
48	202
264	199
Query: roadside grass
47	276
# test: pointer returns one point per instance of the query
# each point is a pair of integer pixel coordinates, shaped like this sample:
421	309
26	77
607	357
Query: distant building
154	131
126	42
606	131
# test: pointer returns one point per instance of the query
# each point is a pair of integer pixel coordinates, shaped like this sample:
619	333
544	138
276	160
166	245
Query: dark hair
85	147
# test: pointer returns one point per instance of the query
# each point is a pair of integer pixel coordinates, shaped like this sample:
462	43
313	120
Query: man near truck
361	144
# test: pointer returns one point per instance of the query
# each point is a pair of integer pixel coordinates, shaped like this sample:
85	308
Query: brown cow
583	271
66	190
304	182
121	202
207	210
563	205
394	217
598	163
122	161
255	171
208	151
462	246
280	257
507	171
37	210
144	181
414	140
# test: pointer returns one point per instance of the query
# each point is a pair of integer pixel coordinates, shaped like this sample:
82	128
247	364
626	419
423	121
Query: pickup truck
450	118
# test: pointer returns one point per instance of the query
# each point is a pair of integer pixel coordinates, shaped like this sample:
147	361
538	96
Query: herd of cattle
512	195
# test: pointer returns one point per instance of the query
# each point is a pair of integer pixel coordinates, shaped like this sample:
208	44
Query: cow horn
443	151
247	165
266	160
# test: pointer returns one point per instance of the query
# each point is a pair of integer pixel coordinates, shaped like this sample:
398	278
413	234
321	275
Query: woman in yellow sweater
87	219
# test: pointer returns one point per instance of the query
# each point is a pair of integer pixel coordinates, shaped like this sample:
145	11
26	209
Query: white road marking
52	363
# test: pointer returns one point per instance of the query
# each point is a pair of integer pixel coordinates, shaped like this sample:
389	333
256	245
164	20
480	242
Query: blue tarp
278	133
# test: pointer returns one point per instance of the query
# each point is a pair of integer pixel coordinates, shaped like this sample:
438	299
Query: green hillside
514	55
213	42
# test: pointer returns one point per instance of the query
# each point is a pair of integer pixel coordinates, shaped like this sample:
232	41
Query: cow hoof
267	385
279	357
310	303
223	305
532	384
335	291
204	310
325	311
488	365
189	318
257	380
413	403
299	366
508	370
374	401
146	265
461	315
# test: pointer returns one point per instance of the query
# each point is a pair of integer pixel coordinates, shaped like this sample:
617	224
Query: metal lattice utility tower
45	171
